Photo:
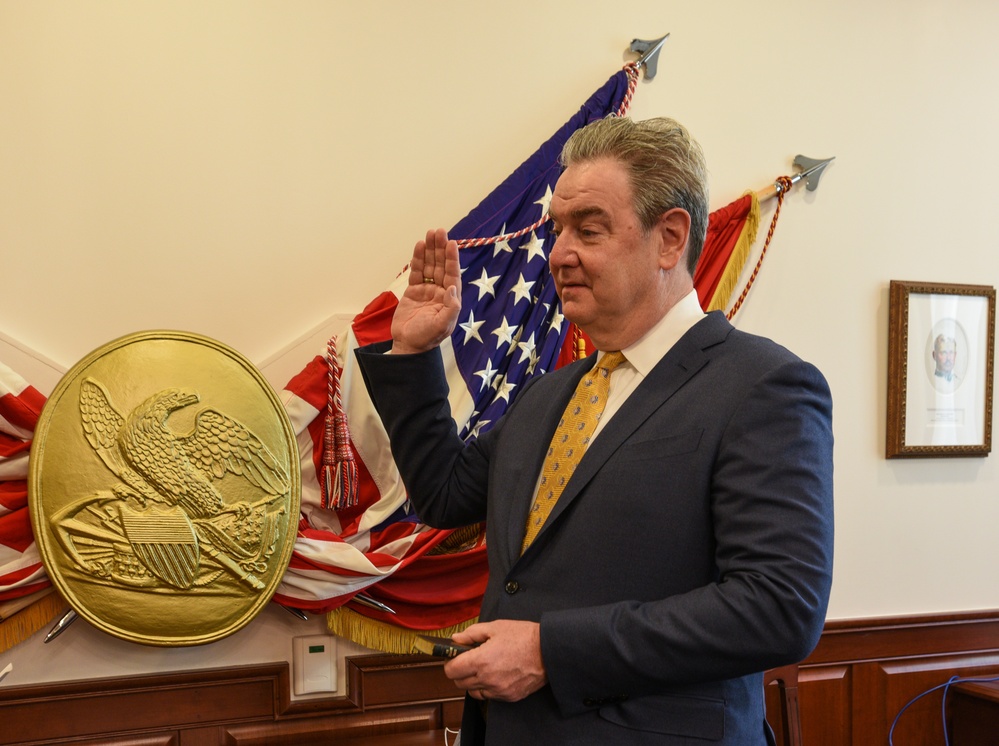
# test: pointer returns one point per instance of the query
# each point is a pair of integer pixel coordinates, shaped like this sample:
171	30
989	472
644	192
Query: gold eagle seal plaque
164	489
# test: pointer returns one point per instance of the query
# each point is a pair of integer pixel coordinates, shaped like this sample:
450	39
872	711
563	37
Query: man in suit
691	548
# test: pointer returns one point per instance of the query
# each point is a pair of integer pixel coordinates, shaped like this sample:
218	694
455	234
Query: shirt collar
646	353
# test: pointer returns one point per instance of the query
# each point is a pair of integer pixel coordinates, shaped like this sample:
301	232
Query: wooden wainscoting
863	672
850	689
399	700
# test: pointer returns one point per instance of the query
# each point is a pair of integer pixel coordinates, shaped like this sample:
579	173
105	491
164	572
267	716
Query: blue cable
943	703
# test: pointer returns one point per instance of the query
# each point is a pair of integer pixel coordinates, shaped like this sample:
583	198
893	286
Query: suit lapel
682	362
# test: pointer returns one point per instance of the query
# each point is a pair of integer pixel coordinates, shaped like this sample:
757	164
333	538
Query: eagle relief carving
166	523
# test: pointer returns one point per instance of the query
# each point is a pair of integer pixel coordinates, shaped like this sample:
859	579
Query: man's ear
674	228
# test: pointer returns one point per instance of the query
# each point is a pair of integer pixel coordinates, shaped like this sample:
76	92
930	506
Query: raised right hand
428	309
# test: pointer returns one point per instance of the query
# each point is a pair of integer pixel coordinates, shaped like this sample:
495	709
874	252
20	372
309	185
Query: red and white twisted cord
339	473
470	243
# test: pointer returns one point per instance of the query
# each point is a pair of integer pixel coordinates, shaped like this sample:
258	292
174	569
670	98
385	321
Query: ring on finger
428	279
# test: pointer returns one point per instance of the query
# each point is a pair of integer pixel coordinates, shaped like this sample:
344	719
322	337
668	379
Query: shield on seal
164	539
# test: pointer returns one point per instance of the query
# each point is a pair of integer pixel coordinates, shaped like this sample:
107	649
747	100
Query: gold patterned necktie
570	440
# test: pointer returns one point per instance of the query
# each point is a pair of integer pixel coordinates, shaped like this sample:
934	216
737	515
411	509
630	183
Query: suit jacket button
512	587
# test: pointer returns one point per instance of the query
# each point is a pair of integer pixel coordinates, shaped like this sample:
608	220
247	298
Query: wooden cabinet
975	713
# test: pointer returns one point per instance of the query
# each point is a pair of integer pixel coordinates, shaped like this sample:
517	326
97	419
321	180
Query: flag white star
532	364
471	328
504	331
502	245
545	201
535	247
487	374
522	290
557	319
478	427
485	284
527	348
504	389
515	341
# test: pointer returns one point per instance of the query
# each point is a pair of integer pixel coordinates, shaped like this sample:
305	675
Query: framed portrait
940	342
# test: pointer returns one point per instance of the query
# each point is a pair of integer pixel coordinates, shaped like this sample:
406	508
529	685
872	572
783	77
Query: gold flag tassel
381	636
21	618
339	472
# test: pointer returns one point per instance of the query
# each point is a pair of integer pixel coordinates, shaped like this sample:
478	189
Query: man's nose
562	253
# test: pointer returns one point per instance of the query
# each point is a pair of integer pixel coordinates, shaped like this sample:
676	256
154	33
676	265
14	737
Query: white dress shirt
646	353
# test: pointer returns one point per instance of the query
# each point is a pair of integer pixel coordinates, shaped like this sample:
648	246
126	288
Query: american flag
510	329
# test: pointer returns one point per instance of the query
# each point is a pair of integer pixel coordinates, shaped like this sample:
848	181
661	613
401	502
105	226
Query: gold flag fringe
376	635
24	623
781	187
737	259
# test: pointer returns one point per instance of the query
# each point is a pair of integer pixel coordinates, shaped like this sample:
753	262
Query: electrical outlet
314	661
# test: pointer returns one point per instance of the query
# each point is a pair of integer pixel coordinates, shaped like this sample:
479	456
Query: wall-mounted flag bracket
811	170
649	51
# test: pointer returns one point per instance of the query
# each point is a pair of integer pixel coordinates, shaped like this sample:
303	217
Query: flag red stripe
23	409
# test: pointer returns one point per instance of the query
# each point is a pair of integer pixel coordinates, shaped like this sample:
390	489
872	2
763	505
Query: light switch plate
314	661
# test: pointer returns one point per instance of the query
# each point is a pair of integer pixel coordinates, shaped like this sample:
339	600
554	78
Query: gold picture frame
940	361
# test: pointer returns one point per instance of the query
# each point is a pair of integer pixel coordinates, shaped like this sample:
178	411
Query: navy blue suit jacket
690	551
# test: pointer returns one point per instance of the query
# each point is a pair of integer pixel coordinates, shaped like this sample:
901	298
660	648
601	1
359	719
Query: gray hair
665	165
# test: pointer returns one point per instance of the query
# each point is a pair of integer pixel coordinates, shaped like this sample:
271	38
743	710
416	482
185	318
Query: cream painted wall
254	170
